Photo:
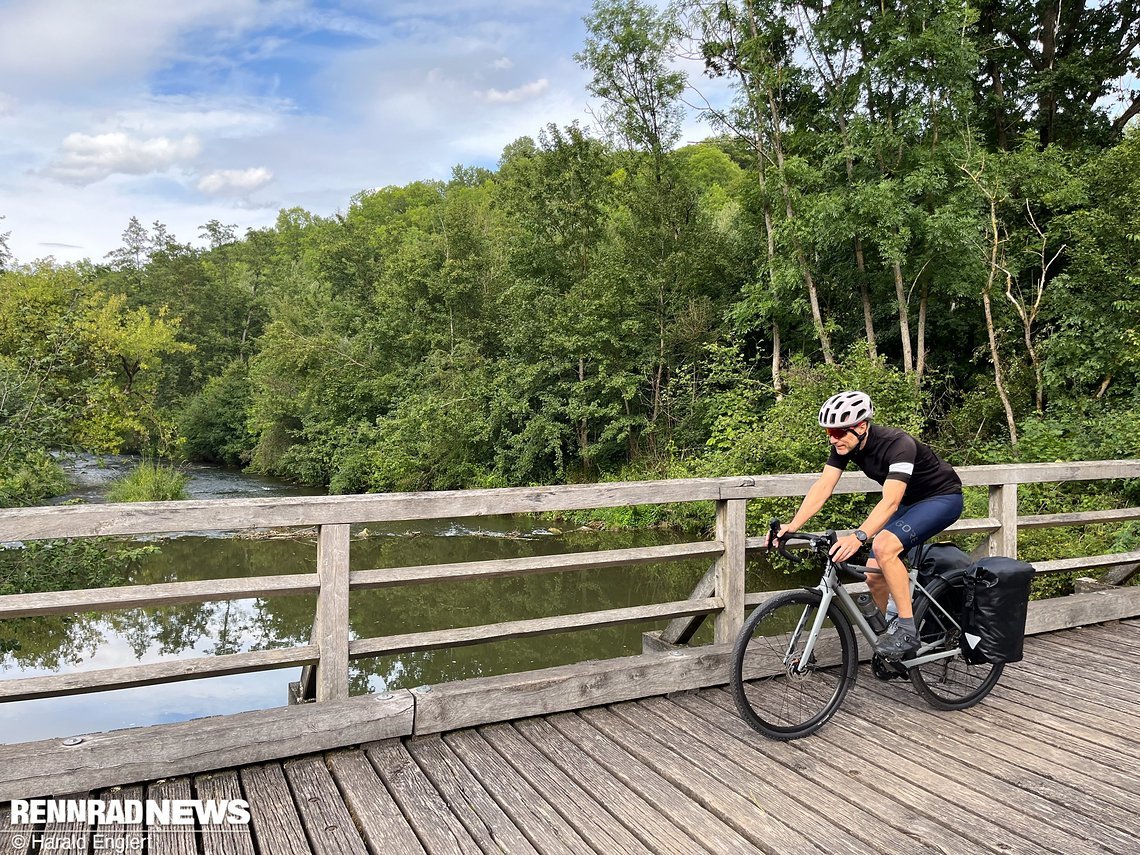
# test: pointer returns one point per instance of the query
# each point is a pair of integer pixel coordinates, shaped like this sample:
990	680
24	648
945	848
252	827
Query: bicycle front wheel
775	689
952	683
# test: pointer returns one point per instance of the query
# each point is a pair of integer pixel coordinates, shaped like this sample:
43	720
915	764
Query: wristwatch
860	535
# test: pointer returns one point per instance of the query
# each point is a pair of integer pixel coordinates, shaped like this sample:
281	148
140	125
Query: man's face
846	440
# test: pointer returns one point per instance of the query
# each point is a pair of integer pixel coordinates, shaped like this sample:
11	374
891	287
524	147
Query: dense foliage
932	201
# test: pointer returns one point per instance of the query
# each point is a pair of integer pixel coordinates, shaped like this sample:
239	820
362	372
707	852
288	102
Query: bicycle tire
770	694
952	683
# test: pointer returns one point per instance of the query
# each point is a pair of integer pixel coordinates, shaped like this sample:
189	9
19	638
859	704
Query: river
60	644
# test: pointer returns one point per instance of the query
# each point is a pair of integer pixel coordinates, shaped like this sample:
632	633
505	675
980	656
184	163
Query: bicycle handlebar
819	544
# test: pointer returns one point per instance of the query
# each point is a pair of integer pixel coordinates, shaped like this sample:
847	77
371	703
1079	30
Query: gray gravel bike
796	656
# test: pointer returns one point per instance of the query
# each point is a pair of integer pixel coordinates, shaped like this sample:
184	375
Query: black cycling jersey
890	453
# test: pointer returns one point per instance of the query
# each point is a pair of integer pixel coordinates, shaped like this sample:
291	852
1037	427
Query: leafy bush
29	479
149	482
64	565
214	422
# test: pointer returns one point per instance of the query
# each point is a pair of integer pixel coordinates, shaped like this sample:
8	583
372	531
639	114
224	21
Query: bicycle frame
830	590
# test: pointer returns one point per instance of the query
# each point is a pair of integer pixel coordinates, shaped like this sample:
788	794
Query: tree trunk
777	376
999	381
583	424
920	359
865	297
904	322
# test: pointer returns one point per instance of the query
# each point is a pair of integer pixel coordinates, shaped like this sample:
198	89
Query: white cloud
54	42
513	96
85	159
235	181
502	64
7	103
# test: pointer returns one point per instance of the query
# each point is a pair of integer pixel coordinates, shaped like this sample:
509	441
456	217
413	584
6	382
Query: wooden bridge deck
1048	763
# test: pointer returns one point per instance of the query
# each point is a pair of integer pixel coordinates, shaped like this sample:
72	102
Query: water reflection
55	644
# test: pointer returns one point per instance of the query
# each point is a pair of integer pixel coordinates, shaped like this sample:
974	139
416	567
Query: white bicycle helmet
846	409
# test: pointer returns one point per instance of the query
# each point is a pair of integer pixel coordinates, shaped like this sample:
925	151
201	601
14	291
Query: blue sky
188	111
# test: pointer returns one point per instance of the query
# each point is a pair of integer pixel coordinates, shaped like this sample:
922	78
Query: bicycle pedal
887	671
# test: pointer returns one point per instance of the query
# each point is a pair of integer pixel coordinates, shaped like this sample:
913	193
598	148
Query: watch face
861	535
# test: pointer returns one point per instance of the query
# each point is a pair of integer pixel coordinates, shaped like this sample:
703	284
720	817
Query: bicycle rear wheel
951	683
777	693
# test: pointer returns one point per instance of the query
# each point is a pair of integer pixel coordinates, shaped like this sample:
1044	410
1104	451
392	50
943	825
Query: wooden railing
326	658
331	648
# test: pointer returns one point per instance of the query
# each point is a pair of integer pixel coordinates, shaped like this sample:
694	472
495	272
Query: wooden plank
1033	782
164	594
951	779
120	838
1003	506
658	720
19	524
768	830
332	613
223	838
918	789
484	700
898	826
655	828
170	838
1092	756
1039	772
326	820
168	671
1078	518
276	823
525	628
15	838
437	828
698	819
730	524
141	754
593	822
66	836
486	822
1088	562
377	815
529	809
387	577
1082	609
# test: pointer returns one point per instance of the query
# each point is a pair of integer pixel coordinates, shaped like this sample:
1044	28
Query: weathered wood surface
238	514
162	594
524	628
1045	764
729	569
169	671
124	756
385	577
332	627
170	839
229	838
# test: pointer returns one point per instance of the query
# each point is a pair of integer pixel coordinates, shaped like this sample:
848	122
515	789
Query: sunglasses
838	433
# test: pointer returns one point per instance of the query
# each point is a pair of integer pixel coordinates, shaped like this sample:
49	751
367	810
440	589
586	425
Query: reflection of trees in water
233	626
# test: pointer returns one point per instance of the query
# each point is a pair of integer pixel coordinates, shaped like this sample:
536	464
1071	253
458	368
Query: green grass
149	482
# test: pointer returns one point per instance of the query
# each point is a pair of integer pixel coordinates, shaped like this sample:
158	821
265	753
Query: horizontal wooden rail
41	523
95	761
104	679
442	638
162	594
361	579
1090	562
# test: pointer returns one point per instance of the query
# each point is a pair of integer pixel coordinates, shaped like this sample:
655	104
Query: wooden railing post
1003	508
729	570
331	627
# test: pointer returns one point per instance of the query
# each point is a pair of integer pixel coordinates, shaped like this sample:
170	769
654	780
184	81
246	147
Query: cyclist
922	495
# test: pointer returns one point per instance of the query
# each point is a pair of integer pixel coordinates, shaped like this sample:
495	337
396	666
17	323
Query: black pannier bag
993	609
937	559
